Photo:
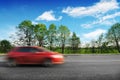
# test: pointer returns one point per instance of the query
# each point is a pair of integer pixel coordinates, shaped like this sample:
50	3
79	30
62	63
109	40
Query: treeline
106	43
59	38
29	34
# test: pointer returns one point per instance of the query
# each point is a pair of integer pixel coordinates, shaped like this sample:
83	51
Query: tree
5	46
75	41
25	31
87	47
105	48
51	35
99	42
64	33
93	45
113	35
40	31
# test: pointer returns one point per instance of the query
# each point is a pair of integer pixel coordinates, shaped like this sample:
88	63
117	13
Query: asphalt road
84	67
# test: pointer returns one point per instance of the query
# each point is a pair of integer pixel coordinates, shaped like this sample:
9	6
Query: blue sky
87	18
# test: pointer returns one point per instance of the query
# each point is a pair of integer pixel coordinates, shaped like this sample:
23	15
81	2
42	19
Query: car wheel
11	63
48	63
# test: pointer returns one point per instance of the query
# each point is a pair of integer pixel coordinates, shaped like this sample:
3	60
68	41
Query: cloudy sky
87	18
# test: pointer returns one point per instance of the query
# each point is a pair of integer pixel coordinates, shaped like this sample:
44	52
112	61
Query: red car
33	55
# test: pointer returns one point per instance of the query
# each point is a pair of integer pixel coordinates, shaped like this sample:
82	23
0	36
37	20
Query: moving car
33	55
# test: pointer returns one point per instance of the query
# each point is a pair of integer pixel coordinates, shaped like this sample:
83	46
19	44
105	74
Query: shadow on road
4	64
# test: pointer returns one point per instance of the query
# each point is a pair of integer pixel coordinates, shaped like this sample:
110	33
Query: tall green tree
25	31
75	42
5	46
64	33
113	35
40	31
51	35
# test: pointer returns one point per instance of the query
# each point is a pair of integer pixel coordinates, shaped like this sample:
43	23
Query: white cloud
97	9
111	16
89	25
108	20
98	22
34	22
93	35
48	16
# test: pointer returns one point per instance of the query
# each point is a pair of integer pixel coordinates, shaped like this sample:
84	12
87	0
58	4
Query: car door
22	55
35	56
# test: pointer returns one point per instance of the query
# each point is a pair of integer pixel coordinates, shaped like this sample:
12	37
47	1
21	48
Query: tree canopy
75	42
25	31
40	31
113	35
63	33
5	46
51	35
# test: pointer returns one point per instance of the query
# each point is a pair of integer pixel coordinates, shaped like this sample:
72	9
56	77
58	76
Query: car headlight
57	56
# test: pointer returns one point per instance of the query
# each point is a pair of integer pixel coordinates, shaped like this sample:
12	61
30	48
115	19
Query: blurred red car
33	55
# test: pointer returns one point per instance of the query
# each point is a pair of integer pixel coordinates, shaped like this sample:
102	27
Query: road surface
83	67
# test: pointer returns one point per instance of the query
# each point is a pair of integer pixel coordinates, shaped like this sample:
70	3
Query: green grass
84	51
87	51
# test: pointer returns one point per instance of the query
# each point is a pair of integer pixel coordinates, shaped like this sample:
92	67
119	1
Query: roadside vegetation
61	39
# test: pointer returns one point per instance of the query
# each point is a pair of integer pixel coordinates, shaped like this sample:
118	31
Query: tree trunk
93	49
63	45
40	43
51	45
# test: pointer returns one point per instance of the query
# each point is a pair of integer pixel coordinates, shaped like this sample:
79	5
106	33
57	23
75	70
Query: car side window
29	49
24	49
